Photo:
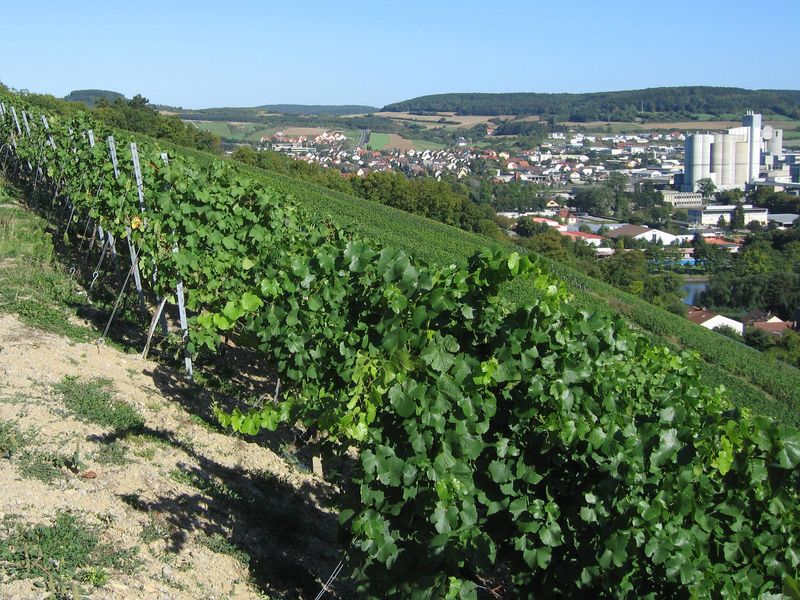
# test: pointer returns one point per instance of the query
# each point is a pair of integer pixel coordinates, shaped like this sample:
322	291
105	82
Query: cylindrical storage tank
705	162
775	143
754	121
696	158
725	176
742	163
716	156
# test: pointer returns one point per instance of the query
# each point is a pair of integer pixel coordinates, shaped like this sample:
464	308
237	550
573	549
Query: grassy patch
208	426
46	467
93	401
154	532
112	454
145	445
66	552
32	284
12	439
217	543
204	484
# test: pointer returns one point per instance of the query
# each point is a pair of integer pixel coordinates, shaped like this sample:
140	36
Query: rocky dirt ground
185	510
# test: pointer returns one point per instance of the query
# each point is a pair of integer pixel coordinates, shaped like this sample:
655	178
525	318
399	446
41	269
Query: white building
711	320
709	216
682	199
731	159
647	234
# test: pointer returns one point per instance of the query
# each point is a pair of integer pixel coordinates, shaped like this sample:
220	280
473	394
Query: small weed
288	451
154	531
43	466
217	543
198	420
93	401
12	439
204	484
95	576
111	454
15	398
146	445
62	553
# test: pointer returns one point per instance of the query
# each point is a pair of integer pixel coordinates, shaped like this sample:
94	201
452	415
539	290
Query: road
364	138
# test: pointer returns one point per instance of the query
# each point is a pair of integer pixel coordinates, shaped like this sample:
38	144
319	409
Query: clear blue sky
245	53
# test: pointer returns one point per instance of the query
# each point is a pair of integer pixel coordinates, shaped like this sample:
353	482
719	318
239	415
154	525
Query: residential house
711	320
639	232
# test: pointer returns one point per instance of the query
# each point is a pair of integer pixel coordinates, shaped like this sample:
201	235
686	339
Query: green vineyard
755	381
511	438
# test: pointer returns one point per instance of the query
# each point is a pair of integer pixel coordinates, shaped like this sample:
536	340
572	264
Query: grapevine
539	448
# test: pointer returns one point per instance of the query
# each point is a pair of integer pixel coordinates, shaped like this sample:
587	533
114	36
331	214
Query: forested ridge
661	102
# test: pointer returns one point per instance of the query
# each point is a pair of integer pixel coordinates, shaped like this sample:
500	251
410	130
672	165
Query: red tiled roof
699	316
776	328
581	234
719	242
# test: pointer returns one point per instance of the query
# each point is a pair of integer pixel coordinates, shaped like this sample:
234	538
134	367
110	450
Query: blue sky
245	53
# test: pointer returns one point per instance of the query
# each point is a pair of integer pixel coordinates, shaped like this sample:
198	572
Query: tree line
136	114
664	102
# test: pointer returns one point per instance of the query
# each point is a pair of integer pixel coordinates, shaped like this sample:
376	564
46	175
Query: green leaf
789	454
500	471
221	322
247	264
403	404
668	445
724	458
437	357
251	302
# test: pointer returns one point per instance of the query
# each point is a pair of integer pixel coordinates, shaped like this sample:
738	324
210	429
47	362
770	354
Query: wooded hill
90	97
649	104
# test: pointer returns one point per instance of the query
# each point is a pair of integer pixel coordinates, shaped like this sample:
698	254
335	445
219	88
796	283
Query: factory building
709	216
682	199
731	159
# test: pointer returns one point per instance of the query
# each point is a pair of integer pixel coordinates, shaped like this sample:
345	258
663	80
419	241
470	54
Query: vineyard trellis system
535	451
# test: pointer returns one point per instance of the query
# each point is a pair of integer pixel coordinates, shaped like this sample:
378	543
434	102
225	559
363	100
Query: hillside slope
769	386
115	460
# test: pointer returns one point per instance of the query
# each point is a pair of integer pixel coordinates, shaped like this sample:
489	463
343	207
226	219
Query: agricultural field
306	131
393	141
234	130
463	121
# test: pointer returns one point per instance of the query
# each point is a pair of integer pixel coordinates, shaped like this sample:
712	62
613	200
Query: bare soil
182	484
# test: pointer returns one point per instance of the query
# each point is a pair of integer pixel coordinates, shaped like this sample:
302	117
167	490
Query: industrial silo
775	143
705	142
753	122
722	159
742	165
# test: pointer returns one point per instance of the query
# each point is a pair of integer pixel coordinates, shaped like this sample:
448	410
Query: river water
692	291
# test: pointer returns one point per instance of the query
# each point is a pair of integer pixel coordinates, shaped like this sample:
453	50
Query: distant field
392	141
432	120
231	129
252	132
307	131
